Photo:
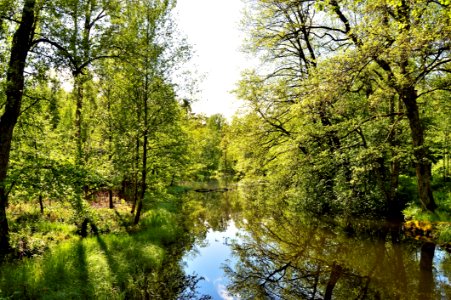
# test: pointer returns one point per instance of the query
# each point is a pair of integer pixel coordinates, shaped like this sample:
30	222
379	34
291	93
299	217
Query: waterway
249	244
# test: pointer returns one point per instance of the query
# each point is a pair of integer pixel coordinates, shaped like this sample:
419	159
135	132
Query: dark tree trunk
110	198
136	171
41	204
81	190
136	174
110	144
4	232
335	274
145	108
78	88
426	282
394	204
422	163
14	90
138	211
135	196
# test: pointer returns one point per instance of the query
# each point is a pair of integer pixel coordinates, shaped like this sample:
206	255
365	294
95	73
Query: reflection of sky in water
208	257
439	258
207	260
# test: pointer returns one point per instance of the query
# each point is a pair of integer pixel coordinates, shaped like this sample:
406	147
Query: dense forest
352	96
347	115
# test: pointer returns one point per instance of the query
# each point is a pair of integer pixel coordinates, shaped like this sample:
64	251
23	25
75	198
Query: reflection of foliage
171	282
209	210
286	255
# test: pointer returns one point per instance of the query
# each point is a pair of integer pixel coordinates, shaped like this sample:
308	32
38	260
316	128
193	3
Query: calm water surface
207	260
247	247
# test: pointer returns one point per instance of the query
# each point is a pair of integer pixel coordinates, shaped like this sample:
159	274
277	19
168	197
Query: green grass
441	217
113	266
415	212
444	233
125	262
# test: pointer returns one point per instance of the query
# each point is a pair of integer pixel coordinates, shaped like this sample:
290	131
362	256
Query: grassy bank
433	225
122	262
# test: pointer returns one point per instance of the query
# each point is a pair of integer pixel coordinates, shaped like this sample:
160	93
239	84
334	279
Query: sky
212	28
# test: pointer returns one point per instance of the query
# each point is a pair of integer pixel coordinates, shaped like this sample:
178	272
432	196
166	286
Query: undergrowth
441	217
122	262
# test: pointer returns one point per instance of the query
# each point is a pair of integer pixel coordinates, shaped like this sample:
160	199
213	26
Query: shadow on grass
141	265
82	269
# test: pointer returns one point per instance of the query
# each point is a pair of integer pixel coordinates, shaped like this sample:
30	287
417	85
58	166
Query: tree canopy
344	100
348	109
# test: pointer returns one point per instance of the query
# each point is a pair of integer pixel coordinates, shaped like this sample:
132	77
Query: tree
204	150
21	44
75	35
336	88
410	50
148	138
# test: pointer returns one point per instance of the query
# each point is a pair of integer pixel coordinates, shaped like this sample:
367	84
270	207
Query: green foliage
70	145
34	232
205	151
330	114
407	189
444	233
139	262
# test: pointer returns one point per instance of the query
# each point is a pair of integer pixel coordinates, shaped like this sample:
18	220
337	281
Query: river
249	244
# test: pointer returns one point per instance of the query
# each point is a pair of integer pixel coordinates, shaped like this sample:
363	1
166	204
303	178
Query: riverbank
428	226
121	261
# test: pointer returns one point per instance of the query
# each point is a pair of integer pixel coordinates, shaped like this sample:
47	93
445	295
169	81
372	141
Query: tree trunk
4	232
145	108
394	204
143	178
14	90
426	280
335	274
79	81
78	88
144	158
422	163
110	198
136	174
110	143
136	171
41	204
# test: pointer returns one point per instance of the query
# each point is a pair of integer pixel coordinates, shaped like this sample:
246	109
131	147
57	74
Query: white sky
212	28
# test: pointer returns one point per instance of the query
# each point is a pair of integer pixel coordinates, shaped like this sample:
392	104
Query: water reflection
207	260
209	217
283	254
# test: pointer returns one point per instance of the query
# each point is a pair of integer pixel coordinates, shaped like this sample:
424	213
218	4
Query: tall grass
96	267
142	262
441	217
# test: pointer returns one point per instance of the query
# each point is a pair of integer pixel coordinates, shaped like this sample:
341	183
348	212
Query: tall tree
21	44
412	47
343	76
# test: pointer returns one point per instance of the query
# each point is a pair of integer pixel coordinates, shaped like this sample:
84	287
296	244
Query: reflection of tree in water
286	256
205	211
170	281
201	212
445	265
